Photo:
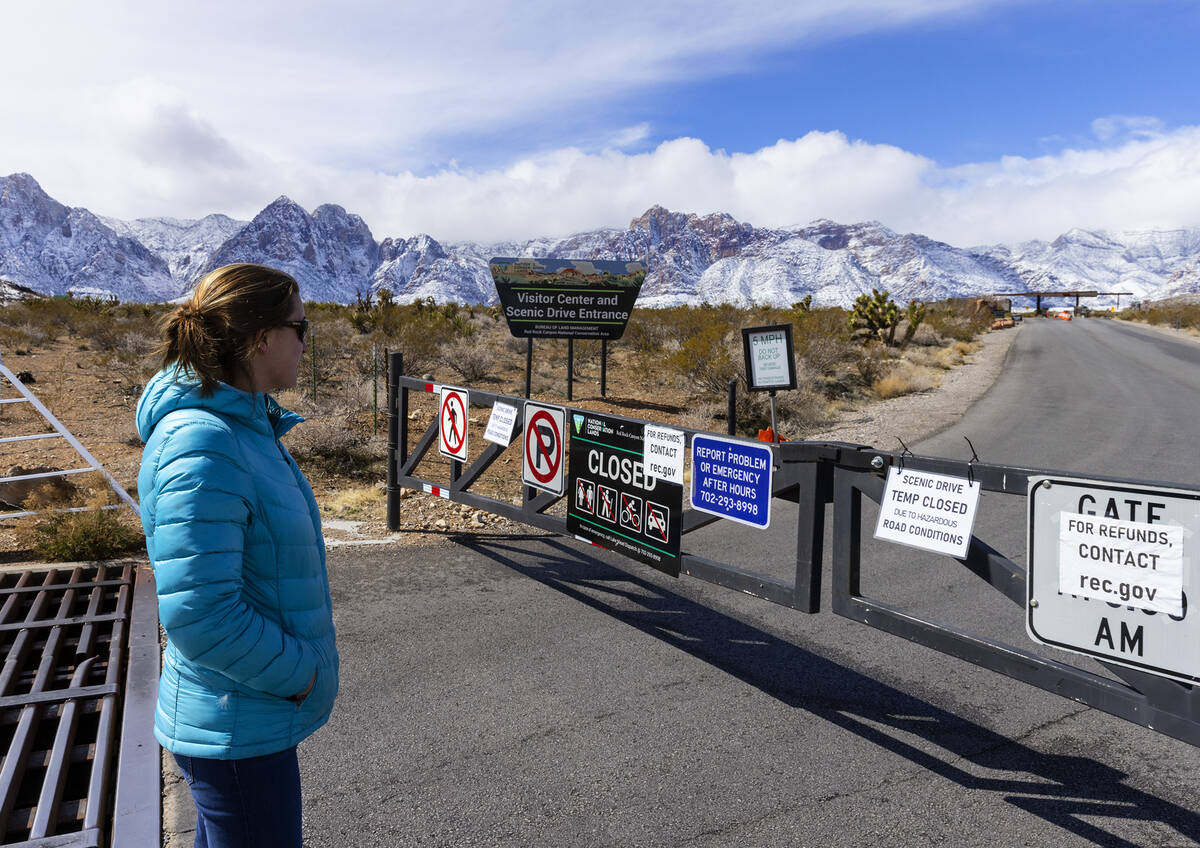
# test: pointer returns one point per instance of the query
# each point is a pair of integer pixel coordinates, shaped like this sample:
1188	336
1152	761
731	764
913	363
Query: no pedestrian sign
545	436
452	423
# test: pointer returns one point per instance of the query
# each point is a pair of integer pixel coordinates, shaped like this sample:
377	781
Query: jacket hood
176	388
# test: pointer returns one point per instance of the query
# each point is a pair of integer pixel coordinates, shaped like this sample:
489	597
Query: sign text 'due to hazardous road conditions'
1113	560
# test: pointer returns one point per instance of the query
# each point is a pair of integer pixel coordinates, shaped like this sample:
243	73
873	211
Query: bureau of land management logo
578	419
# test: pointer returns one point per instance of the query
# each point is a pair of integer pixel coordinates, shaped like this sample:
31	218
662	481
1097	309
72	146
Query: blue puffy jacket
234	536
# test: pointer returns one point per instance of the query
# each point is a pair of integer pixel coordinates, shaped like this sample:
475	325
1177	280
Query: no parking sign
545	435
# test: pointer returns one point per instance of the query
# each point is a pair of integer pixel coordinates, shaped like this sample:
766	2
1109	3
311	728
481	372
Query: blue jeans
242	803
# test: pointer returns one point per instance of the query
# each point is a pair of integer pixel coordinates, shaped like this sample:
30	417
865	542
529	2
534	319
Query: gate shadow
1070	786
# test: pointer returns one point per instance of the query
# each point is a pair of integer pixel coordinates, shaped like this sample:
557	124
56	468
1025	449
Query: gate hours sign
1111	568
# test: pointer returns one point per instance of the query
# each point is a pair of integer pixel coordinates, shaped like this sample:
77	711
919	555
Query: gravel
920	415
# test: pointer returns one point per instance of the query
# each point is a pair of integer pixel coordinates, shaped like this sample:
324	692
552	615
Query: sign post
1111	569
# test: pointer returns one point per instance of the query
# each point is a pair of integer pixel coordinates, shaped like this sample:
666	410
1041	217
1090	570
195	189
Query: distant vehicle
1066	316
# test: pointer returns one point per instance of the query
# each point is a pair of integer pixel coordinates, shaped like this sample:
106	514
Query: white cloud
248	101
363	83
1152	183
1111	127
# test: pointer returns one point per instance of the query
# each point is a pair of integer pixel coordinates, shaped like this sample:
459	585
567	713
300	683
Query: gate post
397	449
815	491
731	415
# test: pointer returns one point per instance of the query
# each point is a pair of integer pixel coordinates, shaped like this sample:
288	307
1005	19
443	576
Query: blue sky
974	121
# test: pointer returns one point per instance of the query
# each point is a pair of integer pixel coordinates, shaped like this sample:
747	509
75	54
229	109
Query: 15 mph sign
1111	567
545	434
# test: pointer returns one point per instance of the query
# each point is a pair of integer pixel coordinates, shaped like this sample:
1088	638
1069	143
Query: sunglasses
301	327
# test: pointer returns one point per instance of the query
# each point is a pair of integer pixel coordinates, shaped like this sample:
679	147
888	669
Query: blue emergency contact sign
732	479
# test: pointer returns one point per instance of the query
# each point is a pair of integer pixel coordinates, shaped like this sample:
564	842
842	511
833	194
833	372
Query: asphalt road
536	691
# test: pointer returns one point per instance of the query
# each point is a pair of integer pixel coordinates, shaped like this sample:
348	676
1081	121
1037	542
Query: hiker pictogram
606	504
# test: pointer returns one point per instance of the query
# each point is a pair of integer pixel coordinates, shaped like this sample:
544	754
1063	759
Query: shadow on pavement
1062	790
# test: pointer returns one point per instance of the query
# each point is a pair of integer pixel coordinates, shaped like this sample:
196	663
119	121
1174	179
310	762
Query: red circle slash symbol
542	432
452	414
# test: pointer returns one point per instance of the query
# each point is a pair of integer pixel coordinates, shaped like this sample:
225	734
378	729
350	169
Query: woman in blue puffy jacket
234	534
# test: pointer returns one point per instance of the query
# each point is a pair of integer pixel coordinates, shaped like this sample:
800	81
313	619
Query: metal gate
817	475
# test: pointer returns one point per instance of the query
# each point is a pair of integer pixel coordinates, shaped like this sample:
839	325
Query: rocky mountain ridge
54	249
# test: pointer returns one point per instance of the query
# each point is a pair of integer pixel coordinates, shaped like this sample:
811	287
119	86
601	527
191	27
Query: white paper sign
1126	562
664	450
769	359
500	425
934	512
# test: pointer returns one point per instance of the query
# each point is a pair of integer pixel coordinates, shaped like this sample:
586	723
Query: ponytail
212	335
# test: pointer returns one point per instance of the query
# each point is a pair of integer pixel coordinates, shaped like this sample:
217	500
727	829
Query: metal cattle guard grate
64	633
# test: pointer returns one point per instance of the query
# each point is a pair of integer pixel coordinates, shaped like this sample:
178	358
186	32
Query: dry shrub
39	335
703	415
705	359
802	411
871	364
958	320
358	503
941	358
1178	314
98	533
471	359
824	350
646	332
14	339
332	442
44	491
905	379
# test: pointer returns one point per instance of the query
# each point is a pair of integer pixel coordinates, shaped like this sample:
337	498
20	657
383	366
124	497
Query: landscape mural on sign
566	298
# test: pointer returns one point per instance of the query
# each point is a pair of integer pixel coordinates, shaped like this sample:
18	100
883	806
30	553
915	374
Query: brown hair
212	335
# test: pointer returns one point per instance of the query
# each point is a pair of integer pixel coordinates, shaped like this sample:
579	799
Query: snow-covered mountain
185	245
1139	261
51	248
55	249
331	253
